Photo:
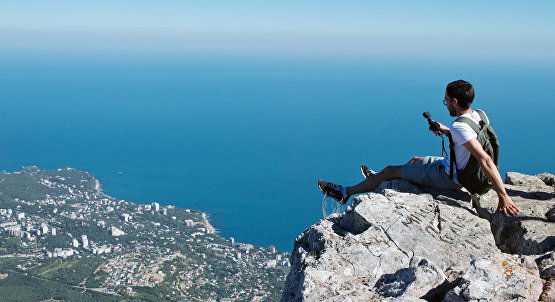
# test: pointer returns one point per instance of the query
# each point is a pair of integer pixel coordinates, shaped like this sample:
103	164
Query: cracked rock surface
531	233
405	243
499	277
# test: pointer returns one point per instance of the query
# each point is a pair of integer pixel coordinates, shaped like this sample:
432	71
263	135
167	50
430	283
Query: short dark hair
462	91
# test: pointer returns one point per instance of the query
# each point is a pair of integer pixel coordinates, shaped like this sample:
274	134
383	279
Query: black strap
453	161
443	152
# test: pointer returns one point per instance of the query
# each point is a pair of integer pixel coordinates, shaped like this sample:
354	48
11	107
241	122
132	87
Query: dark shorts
430	173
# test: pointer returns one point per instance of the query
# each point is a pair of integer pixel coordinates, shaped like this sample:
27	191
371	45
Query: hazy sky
522	29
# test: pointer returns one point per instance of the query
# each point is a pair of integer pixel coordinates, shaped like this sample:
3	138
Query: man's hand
507	206
439	128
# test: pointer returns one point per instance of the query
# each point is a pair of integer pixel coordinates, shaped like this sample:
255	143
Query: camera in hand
433	125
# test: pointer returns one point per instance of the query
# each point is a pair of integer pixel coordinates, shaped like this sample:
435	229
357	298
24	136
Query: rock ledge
405	243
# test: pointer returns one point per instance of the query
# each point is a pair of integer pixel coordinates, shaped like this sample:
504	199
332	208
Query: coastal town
58	227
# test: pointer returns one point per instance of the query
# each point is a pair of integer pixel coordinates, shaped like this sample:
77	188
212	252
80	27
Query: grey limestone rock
548	294
407	243
547	178
421	279
550	214
519	179
346	255
530	233
546	265
499	277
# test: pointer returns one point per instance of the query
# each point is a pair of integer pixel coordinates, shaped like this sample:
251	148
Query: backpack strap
469	122
452	159
483	117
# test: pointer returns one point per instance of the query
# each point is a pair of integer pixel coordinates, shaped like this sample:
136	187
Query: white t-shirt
461	134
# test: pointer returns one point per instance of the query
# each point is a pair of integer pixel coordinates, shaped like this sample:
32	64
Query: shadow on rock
538	195
395	285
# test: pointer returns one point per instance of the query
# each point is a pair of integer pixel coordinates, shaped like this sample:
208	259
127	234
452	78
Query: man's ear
455	101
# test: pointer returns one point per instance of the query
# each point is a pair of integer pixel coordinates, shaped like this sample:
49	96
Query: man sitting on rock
434	171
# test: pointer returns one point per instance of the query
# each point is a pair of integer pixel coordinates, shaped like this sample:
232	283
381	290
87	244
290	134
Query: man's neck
461	112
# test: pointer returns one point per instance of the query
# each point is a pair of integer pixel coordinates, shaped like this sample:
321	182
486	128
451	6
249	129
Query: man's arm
441	129
505	202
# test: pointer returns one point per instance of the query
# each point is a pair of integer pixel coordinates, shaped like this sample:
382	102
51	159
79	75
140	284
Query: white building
116	232
271	263
156	206
125	217
44	228
74	242
58	252
15	230
85	241
246	247
20	215
102	250
53	231
7	224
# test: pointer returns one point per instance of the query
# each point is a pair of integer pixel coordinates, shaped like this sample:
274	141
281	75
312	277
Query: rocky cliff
406	243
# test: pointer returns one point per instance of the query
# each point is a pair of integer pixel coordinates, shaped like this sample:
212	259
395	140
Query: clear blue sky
472	28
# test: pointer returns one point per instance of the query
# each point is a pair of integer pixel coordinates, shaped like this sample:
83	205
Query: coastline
98	189
210	229
53	218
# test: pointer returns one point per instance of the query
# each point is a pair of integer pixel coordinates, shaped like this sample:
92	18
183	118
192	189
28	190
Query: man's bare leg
369	184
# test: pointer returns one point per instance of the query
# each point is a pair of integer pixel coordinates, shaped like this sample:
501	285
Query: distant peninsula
63	239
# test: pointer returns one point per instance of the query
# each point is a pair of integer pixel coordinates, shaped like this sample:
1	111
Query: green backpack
472	177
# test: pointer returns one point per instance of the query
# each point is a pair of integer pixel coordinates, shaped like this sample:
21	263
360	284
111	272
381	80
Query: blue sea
246	138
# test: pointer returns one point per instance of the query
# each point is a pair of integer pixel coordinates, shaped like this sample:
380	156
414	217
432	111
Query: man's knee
392	172
416	160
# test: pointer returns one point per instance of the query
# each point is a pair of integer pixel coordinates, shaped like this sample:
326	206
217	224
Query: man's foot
334	191
367	173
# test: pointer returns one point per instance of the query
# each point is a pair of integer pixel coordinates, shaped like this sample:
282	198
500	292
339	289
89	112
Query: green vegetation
164	255
8	261
72	271
21	287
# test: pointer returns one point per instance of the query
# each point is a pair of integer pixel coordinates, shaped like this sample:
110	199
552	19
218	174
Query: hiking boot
367	173
334	191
